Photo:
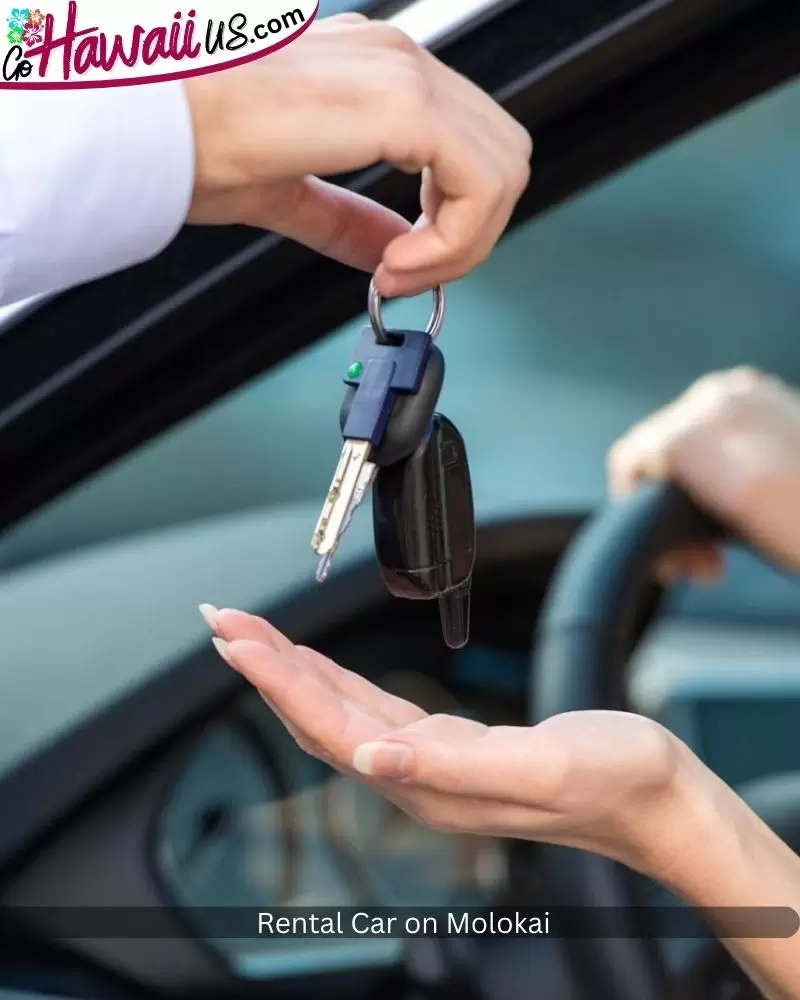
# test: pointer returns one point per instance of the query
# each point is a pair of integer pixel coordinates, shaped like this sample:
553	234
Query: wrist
692	814
710	848
213	172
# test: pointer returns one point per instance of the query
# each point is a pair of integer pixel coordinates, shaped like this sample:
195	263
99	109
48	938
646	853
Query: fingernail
209	613
222	648
384	760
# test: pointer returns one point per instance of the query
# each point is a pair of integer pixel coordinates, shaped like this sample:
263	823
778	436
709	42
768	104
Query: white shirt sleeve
92	181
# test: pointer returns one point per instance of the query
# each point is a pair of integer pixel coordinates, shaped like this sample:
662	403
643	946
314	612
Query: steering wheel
601	598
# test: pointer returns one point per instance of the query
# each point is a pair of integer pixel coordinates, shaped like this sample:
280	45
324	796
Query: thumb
338	223
430	751
459	756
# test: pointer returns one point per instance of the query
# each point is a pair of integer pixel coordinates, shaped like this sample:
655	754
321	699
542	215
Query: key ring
382	335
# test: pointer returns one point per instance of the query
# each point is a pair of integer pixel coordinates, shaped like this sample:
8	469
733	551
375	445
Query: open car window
582	322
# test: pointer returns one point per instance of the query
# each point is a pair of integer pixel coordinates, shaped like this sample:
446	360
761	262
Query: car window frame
596	107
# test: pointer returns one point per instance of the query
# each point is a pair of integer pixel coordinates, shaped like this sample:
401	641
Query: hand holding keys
424	519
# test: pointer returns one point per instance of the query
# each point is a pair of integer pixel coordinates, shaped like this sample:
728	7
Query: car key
424	526
391	376
364	484
395	380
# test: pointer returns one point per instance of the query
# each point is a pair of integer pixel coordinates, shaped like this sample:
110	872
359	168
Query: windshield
581	323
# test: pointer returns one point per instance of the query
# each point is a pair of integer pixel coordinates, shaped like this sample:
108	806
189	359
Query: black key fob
424	523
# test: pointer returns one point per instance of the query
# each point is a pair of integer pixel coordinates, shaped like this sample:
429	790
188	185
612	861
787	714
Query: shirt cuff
95	181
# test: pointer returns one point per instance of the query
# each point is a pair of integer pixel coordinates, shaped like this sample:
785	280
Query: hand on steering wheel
732	441
457	775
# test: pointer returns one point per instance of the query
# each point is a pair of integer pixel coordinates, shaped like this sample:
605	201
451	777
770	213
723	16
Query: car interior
167	436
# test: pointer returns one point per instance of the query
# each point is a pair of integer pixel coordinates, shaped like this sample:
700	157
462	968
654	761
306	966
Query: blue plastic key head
378	373
372	405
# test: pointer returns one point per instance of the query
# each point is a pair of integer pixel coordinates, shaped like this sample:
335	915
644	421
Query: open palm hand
595	780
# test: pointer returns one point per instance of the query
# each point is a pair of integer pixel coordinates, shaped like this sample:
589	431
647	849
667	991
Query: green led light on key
356	370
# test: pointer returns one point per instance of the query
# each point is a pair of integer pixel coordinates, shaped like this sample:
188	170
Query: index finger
477	178
324	716
470	217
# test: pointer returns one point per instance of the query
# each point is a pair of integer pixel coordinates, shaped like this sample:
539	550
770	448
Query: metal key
353	471
395	380
366	479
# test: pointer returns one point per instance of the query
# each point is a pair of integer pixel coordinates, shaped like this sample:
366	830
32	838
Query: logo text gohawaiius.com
68	51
